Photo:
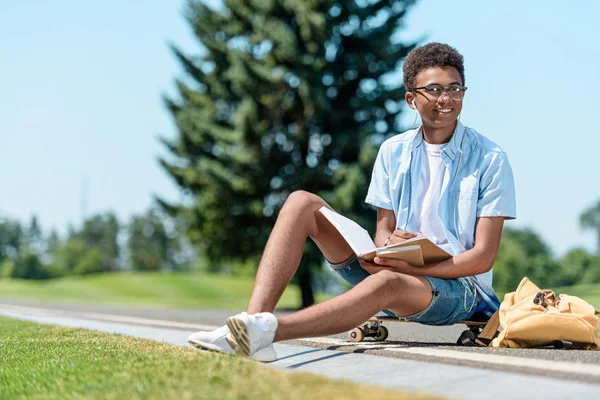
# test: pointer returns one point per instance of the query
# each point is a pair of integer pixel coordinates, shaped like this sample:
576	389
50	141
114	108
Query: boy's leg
402	294
298	220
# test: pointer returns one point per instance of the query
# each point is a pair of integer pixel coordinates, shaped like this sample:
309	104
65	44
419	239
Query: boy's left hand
391	264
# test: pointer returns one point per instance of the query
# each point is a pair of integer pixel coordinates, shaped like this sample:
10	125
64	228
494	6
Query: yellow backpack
531	317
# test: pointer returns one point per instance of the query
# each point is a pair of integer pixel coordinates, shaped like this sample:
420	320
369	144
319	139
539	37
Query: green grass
588	292
49	362
180	290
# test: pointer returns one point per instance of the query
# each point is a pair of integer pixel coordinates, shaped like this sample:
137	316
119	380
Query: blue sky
81	85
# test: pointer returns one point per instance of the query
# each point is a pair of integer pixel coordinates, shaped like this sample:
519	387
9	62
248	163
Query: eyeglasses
456	92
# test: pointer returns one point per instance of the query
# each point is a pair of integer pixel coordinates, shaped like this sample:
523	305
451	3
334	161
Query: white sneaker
251	334
215	341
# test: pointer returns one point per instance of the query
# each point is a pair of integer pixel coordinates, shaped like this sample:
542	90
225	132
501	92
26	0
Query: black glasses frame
445	89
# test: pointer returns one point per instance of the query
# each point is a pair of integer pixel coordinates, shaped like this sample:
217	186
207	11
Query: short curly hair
429	56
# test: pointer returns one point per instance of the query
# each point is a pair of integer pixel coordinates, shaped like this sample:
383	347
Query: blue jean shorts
452	300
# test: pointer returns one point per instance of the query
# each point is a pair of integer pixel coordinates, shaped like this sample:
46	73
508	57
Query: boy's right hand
399	236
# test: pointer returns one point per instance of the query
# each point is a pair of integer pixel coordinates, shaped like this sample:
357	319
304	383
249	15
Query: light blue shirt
479	183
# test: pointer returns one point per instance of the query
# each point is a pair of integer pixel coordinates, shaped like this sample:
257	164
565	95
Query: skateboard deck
373	328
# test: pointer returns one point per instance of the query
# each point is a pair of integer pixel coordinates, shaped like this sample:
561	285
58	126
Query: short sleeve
379	189
497	190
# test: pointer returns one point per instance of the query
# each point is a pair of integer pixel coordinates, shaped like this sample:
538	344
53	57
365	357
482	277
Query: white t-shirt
425	218
482	186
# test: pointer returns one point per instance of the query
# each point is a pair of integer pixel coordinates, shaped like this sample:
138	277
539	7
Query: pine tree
100	234
34	237
151	245
590	220
289	95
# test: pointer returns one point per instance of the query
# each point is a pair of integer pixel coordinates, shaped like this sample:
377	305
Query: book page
363	246
411	254
358	238
429	252
397	249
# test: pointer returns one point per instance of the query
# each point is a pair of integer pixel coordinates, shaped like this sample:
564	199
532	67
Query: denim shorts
453	300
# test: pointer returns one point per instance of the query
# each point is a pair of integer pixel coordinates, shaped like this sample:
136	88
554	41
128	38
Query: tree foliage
523	253
590	220
96	247
579	266
153	246
289	95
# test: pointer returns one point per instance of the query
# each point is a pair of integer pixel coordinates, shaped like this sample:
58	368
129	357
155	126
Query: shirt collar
455	145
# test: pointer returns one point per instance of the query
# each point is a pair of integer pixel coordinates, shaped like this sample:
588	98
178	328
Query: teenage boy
442	180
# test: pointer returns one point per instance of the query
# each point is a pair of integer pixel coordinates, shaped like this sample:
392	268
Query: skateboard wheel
467	338
356	335
382	334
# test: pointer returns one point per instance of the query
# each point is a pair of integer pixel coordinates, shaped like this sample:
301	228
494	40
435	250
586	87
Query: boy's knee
303	200
384	279
388	283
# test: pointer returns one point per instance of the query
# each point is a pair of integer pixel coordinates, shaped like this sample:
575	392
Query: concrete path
452	381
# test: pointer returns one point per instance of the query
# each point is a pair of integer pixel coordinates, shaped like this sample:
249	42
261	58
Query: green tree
21	249
574	266
28	266
590	220
289	95
11	238
34	237
92	249
53	243
101	232
592	272
50	257
76	257
522	253
152	245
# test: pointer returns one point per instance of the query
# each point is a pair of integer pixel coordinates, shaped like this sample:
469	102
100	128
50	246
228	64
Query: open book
417	251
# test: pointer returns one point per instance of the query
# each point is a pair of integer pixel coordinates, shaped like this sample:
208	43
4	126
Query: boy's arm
386	223
386	229
478	260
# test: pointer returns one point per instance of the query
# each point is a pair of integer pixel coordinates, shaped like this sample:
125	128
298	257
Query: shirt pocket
466	196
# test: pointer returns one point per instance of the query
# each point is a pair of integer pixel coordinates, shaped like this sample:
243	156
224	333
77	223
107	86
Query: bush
27	266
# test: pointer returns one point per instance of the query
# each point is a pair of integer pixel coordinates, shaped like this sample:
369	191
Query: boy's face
440	112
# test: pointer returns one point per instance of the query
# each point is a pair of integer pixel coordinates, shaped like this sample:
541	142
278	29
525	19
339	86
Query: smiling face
440	113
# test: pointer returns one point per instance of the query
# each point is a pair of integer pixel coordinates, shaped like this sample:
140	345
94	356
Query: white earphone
413	103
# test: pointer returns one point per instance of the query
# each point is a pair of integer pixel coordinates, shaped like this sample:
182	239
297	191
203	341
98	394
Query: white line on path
111	318
559	366
425	376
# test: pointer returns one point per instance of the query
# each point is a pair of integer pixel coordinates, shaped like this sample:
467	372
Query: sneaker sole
208	347
241	339
261	355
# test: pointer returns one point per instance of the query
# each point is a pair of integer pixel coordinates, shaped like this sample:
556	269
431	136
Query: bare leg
402	294
298	220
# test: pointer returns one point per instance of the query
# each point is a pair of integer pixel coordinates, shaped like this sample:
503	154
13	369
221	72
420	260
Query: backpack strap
490	330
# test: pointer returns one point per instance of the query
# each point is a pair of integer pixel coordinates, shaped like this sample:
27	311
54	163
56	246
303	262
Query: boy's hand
399	236
369	266
386	263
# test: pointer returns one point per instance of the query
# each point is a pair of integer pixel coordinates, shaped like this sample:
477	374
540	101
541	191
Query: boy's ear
410	99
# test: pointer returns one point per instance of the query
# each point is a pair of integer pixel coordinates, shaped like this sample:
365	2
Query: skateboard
374	328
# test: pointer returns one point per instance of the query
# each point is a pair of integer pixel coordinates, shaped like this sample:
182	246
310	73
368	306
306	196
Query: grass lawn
50	362
589	292
179	290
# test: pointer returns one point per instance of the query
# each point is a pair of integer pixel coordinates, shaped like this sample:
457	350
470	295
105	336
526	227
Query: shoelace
540	296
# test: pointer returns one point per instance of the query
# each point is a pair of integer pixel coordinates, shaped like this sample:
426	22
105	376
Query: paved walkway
430	377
